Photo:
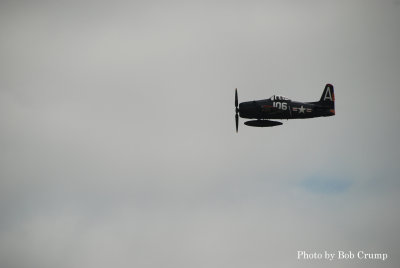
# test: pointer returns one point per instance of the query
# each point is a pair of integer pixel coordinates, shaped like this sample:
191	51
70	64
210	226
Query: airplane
280	107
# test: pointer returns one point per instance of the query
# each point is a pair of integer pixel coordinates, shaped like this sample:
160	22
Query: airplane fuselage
282	109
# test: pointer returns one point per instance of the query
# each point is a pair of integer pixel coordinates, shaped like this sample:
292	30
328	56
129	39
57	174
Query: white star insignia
301	109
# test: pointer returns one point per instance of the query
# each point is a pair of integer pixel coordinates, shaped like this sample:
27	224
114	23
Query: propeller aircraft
280	107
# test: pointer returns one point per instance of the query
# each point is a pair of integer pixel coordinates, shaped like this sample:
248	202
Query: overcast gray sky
118	146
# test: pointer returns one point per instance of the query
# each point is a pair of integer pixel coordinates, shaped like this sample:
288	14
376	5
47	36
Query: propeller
236	110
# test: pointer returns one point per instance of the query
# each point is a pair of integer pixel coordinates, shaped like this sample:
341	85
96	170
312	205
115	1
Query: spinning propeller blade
236	110
236	98
237	122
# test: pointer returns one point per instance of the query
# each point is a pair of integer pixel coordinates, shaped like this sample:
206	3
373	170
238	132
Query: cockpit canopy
278	97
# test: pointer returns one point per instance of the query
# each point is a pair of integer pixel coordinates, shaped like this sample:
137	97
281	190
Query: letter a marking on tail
328	95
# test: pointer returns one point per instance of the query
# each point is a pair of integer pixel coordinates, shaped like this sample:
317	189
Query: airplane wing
262	123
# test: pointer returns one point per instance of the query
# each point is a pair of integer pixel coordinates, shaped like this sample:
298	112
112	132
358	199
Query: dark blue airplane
279	107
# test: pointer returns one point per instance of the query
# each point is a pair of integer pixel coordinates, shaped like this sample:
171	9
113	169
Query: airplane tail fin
328	98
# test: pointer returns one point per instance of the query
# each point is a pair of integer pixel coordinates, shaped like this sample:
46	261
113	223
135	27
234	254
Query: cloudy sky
118	144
